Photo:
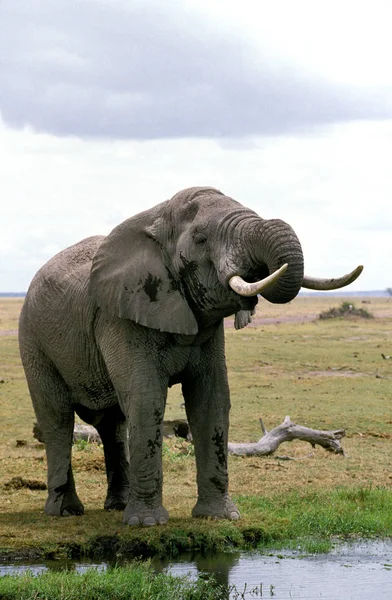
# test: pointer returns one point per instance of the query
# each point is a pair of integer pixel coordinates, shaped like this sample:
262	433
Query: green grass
315	518
325	374
138	582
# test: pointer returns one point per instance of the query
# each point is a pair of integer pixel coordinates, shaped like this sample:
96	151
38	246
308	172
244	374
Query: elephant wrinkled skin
111	322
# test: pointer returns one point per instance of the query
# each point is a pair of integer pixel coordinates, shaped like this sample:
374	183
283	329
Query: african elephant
111	322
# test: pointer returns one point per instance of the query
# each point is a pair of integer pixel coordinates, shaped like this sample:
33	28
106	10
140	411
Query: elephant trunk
272	265
274	244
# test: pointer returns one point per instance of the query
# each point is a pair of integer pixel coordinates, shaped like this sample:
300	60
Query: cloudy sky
108	107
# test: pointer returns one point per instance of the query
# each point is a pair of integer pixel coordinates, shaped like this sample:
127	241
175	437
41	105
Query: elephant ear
132	277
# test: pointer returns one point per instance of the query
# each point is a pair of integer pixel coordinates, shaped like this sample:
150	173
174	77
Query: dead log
177	427
286	432
81	432
271	440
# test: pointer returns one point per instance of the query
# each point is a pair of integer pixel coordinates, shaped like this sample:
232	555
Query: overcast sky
108	107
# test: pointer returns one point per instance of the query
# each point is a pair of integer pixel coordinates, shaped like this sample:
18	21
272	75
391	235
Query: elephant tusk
313	283
243	288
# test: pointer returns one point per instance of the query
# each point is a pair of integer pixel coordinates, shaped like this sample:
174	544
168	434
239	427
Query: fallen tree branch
286	432
271	440
177	427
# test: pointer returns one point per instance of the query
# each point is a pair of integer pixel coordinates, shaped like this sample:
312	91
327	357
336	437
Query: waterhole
360	571
357	572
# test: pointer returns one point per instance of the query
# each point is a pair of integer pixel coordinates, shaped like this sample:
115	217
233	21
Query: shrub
346	309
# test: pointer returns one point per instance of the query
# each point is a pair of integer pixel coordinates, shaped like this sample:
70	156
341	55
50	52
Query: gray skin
111	322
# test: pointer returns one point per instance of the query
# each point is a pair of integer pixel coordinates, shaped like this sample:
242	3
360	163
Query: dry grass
324	374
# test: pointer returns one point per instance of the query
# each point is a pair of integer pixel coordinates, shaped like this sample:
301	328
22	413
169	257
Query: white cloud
347	42
334	189
283	105
147	70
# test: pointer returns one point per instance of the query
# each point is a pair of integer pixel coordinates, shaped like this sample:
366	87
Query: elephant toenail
148	521
133	521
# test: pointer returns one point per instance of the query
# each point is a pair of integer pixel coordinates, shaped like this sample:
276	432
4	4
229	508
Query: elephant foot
144	516
216	509
63	505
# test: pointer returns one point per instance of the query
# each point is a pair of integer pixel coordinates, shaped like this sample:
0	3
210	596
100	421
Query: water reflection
350	572
51	565
195	565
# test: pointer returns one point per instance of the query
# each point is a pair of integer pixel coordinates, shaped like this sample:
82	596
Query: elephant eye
200	239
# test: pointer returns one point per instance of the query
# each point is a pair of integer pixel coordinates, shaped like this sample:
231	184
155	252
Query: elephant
110	323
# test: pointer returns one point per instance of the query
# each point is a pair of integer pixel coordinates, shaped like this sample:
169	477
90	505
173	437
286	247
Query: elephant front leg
145	410
207	403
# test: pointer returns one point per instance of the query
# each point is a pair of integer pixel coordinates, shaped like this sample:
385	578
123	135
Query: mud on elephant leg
145	409
145	496
207	403
213	497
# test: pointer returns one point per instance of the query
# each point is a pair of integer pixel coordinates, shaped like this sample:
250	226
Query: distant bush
346	309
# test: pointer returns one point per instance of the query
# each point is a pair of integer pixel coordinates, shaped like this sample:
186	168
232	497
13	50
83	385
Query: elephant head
197	258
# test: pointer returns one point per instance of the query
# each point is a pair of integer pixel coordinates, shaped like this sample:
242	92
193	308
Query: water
52	565
361	571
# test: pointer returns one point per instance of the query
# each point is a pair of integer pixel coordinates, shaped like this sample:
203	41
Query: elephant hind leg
63	500
55	417
113	431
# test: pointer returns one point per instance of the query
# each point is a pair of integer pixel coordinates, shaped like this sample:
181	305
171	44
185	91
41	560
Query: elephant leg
141	389
145	411
62	497
207	403
113	431
55	417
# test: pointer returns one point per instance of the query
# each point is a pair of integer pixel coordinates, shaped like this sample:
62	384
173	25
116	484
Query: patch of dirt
374	434
83	462
335	373
17	483
8	332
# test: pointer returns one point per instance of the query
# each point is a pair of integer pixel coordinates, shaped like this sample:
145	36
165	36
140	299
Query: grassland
136	581
325	374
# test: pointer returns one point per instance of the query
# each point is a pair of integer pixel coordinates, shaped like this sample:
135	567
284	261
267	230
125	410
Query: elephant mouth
254	275
248	303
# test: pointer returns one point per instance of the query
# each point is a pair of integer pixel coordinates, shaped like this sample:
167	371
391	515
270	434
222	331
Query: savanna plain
325	373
